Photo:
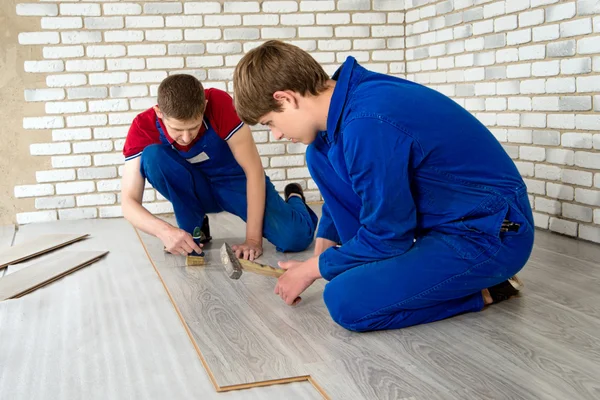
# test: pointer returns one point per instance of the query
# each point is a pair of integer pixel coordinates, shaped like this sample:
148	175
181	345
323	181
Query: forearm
322	244
141	218
256	194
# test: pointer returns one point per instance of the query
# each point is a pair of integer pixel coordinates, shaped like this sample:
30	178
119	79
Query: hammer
235	266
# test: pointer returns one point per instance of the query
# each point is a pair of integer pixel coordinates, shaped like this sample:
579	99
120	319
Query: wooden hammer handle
261	269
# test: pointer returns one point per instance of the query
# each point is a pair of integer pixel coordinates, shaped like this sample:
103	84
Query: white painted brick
597	141
532	153
557	191
65	80
164	35
475	104
520	136
112	185
144	22
90	10
71	134
296	148
345	5
103	51
241	7
577	212
164	62
560	12
65	107
322	19
201	7
163	8
224	48
588	84
525	168
560	85
86	120
84	65
204	61
108	78
44	94
531	18
110	212
317	5
563	227
61	23
77	213
55	175
519	104
96	199
36	217
220	74
432	37
587	122
367	18
33	190
287	161
38	38
533	120
126	64
124	36
576	66
576	177
587	160
576	28
355	31
223	20
518	37
597	216
87	93
122	9
560	156
565	48
586	196
261	20
108	159
43	122
241	33
103	23
186	48
505	23
540	220
495	104
54	202
202	34
108	105
508	87
545	33
280	6
39	10
547	205
591	233
548	138
387	55
508	119
588	7
461	32
507	55
536	187
518	71
96	173
385	31
536	3
388	5
309	19
545	68
147	76
545	103
276	174
121	118
159	208
324	57
335	45
184	21
71	161
588	45
535	52
43	66
533	86
75	187
362	56
576	103
142	104
63	51
483	27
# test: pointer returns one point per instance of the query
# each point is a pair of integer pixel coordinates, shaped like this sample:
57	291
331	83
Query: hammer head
232	264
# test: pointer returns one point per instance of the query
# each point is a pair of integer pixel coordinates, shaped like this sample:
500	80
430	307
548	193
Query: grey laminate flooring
7	233
542	345
107	331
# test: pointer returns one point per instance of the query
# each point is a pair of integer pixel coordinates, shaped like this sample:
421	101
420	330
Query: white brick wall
529	70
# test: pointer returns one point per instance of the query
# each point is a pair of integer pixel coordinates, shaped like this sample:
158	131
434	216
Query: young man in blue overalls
195	151
425	214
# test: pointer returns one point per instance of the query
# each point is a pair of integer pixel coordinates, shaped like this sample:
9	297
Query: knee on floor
295	240
343	308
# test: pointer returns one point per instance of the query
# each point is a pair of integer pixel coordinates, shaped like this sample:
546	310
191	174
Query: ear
158	112
286	96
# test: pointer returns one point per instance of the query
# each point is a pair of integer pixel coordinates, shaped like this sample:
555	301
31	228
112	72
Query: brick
163	8
241	34
36	217
576	103
55	202
164	35
560	156
366	18
77	213
531	18
324	58
86	120
322	19
204	61
588	84
126	64
533	120
576	66
495	104
75	187
588	7
220	74
547	206
597	216
507	55
518	71
590	233
109	185
536	3
57	23
202	34
201	7
587	122
597	141
186	48
576	28
37	10
562	49
124	118
545	103
545	33
89	10
525	168
461	32
65	107
63	52
96	199
142	104
520	136
103	22
164	63
147	76
560	12
144	22
87	93
44	94
108	105
545	68
346	5
43	122
427	12
38	38
33	190
110	212
107	78
561	121
387	55
183	21
71	161
261	20
564	227
317	5
65	80
541	220
103	51
557	191
124	36
560	85
548	138
122	9
588	45
354	31
383	31
549	172
85	65
313	32
108	159
520	104
505	23
535	187
96	173
532	153
159	208
535	52
586	196
533	86
55	175
508	87
575	177
335	45
587	160
44	66
577	212
511	119
241	7
223	20
518	37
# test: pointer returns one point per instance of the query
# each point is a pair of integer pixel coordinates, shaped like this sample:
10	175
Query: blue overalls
416	190
208	179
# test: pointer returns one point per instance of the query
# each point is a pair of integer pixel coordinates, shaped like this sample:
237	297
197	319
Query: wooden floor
110	331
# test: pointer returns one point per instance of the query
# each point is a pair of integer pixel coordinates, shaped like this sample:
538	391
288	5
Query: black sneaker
205	238
505	290
294	188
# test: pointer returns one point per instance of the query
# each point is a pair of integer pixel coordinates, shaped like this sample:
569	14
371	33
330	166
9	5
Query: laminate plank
43	273
109	332
567	246
36	246
7	234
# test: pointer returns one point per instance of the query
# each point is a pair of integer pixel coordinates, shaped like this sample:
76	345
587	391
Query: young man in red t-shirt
194	150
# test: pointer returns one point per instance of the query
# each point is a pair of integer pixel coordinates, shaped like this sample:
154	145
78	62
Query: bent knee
294	239
343	307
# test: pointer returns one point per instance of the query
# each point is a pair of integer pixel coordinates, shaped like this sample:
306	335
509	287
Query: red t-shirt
220	113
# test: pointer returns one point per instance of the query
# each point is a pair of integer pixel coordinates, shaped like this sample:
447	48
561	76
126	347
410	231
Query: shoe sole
516	282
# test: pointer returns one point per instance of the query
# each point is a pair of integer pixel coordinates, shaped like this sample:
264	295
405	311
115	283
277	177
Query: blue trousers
442	275
290	226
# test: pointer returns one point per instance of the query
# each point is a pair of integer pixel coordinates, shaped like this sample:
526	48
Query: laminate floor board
106	333
567	246
34	246
7	234
563	266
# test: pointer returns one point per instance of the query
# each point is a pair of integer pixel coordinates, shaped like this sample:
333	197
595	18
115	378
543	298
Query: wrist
254	240
314	270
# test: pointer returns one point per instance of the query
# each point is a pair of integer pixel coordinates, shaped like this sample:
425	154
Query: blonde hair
271	67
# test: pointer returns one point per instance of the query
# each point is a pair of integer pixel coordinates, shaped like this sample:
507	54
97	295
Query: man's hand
179	242
249	250
297	278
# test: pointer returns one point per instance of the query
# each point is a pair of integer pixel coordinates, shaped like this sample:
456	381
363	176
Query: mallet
235	266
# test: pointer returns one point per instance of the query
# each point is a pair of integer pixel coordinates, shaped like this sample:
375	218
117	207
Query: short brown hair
273	66
181	96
